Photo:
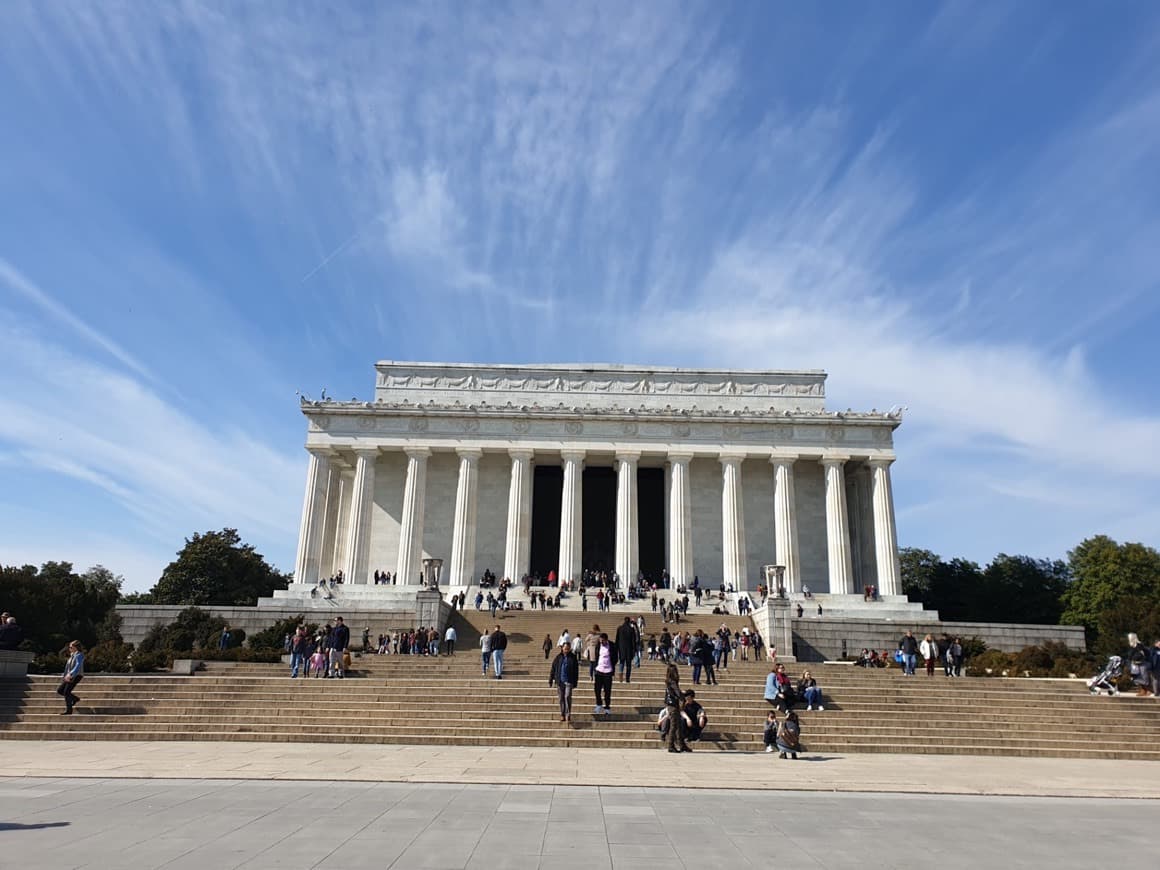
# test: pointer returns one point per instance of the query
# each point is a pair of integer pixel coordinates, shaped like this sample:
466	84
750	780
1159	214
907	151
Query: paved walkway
223	824
917	774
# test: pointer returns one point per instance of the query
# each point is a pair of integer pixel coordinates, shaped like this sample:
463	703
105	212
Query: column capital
417	452
679	456
471	453
627	455
880	461
322	452
522	453
730	458
783	459
366	452
834	460
572	455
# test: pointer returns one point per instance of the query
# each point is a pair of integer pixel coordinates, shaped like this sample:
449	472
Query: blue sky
209	206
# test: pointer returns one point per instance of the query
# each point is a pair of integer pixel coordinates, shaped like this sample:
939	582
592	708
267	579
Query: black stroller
1105	680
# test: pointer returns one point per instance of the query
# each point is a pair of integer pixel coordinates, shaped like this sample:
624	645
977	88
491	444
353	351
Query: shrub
274	636
48	663
993	660
146	662
1033	659
111	657
193	629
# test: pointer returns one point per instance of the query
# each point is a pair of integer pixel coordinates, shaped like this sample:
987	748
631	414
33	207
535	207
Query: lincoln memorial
533	469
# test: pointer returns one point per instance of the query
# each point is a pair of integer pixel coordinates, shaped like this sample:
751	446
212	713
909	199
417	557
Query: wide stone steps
446	701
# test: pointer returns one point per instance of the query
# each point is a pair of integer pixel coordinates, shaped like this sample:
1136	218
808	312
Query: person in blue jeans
498	646
909	648
299	651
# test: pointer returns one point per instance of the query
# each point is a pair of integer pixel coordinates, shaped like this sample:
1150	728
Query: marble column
357	567
571	516
885	534
326	564
411	527
313	525
342	525
837	527
732	523
785	534
462	566
518	547
627	534
680	520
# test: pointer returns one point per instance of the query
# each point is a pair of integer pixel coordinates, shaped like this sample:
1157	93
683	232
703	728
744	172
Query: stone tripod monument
536	468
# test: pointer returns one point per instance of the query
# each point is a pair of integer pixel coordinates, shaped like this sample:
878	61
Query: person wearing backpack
564	675
789	736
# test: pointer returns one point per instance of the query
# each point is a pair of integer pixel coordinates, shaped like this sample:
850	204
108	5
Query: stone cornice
561	410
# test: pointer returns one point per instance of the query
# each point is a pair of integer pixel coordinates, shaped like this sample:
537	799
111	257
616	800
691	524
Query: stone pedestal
773	621
431	609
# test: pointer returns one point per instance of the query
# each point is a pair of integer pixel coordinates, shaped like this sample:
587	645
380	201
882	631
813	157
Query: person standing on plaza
627	643
1139	660
564	675
485	649
74	672
10	633
674	700
909	647
605	658
339	644
498	648
449	639
789	736
929	650
299	652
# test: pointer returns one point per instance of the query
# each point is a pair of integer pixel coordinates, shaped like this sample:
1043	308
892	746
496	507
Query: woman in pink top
605	658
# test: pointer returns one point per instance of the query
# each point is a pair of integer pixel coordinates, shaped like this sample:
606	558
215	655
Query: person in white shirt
449	639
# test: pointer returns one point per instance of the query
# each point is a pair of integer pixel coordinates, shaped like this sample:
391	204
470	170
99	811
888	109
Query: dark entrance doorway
599	528
650	509
547	493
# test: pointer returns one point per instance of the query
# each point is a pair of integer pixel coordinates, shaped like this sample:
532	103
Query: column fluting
571	515
837	527
411	527
518	546
357	566
627	532
732	523
313	525
885	534
680	520
462	566
785	533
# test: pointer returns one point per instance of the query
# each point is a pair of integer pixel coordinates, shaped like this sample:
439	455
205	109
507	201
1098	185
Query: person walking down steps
564	675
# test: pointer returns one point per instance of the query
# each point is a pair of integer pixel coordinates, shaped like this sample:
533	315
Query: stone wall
137	619
821	639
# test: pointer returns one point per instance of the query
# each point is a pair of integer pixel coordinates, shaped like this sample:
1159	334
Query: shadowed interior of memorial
598	523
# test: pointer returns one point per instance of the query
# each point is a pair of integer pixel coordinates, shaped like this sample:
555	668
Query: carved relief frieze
521	426
574	427
418	424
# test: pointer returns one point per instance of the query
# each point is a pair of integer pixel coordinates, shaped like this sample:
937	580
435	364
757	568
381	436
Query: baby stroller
1105	679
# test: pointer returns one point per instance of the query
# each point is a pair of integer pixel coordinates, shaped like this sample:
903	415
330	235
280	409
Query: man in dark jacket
909	647
498	647
10	633
627	643
565	674
339	643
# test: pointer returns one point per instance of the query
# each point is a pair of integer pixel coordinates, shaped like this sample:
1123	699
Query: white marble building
520	469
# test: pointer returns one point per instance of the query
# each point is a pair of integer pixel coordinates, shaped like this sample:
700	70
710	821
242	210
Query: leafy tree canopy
54	604
1105	575
217	568
1010	589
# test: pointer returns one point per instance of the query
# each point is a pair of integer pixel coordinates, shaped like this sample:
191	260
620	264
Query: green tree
918	568
1105	574
54	604
1131	613
217	568
193	629
1023	589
